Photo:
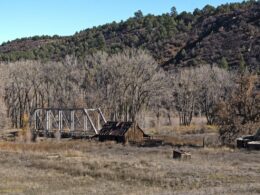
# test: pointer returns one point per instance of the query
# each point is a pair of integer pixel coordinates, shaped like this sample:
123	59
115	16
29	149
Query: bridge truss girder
70	121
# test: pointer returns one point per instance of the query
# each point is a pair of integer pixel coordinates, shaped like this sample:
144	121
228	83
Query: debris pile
250	141
181	154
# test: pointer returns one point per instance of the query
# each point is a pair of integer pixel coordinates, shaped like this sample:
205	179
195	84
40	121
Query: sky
25	18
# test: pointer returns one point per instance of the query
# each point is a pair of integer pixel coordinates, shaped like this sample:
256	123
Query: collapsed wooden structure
250	141
121	132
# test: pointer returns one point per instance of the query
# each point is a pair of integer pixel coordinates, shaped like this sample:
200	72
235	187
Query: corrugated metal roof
115	128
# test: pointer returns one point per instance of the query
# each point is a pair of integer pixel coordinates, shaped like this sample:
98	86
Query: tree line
128	83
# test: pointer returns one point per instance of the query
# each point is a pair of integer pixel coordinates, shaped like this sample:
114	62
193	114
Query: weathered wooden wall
134	134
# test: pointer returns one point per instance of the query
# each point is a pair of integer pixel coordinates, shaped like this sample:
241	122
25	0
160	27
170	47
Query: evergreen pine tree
223	63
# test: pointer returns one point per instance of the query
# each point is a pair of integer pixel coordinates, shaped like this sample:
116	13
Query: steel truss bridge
64	122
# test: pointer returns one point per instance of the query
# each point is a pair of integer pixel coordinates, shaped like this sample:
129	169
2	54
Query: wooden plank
254	145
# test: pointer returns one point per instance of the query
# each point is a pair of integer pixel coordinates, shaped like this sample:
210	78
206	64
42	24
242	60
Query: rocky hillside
229	33
234	36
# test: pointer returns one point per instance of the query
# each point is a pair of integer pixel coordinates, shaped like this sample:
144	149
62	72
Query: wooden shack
121	132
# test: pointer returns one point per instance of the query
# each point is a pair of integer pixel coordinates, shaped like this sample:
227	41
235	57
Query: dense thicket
198	90
240	114
122	84
230	30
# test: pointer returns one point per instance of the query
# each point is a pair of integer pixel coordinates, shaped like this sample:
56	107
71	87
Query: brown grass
182	130
89	167
193	135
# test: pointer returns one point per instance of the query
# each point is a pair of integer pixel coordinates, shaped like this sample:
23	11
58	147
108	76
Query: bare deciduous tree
32	84
122	84
214	85
199	90
126	81
185	93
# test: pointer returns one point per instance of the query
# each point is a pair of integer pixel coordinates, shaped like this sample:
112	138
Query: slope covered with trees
229	31
231	36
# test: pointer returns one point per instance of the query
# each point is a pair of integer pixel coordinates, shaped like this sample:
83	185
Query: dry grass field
193	135
90	167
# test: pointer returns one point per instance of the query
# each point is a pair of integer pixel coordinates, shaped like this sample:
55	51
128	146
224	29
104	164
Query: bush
239	115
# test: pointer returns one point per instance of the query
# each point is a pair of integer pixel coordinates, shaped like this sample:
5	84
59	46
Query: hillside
234	35
229	31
